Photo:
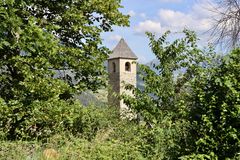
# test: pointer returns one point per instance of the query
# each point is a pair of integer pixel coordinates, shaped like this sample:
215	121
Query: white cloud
148	25
115	38
174	19
198	18
143	15
132	13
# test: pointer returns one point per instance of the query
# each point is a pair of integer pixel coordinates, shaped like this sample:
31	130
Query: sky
158	16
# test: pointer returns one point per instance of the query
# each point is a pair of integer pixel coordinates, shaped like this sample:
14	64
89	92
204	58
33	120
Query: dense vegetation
197	92
189	108
40	38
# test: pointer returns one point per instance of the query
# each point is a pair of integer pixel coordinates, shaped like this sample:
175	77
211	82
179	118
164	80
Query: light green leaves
39	39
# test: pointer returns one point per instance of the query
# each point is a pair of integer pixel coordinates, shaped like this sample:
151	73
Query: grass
66	147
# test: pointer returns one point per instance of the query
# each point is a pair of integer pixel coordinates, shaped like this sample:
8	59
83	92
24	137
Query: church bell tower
122	68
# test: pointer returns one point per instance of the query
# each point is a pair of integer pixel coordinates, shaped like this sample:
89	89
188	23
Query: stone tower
121	68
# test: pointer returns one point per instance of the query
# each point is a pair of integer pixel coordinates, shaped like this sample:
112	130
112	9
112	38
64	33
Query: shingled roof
122	50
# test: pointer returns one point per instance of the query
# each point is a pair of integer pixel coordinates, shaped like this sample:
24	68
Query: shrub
215	114
42	119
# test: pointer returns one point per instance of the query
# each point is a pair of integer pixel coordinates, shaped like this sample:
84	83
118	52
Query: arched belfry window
128	67
114	66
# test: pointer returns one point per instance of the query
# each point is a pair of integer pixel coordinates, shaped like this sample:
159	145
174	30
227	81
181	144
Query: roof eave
122	58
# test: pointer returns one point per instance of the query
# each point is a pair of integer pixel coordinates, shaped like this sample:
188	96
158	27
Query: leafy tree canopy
197	93
180	62
215	109
38	37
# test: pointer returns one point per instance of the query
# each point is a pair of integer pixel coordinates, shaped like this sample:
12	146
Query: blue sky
158	16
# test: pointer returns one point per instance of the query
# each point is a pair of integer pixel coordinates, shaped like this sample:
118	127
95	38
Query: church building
122	68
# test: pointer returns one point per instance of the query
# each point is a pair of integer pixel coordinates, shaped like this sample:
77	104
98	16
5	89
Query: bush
19	150
42	119
190	102
70	147
215	114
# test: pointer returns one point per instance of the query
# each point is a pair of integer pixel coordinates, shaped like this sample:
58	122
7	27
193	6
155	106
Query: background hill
100	98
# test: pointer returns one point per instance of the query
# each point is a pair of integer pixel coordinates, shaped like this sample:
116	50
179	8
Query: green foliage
119	140
212	156
39	37
189	108
70	147
101	135
163	102
179	62
215	116
18	150
191	102
92	119
43	119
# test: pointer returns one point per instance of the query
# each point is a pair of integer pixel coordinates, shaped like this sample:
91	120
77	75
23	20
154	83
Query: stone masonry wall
117	78
128	77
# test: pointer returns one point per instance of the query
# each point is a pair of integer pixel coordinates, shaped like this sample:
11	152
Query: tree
191	99
226	27
39	37
215	111
179	62
164	103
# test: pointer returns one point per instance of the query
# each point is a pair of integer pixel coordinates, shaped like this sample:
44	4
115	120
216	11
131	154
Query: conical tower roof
122	50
